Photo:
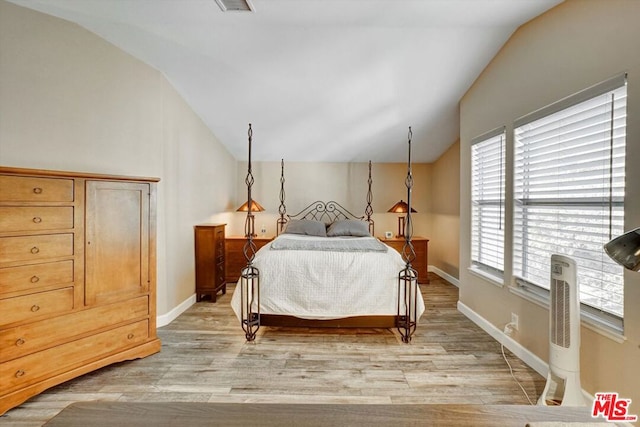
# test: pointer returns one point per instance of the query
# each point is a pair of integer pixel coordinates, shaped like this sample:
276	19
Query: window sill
494	280
530	296
592	323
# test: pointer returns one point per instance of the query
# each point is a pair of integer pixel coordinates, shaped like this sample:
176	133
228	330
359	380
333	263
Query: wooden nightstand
421	247
210	264
235	260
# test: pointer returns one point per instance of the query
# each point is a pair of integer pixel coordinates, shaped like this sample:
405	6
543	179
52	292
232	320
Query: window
569	178
487	202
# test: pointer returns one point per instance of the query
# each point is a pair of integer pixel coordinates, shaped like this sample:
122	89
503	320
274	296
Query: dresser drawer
28	189
220	276
27	277
234	258
25	339
33	248
35	218
29	369
26	307
219	252
420	247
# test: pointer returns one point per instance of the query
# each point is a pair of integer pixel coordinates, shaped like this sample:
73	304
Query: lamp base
400	227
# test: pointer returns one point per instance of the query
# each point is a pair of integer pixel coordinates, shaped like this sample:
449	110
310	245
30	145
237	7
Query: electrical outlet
263	230
514	321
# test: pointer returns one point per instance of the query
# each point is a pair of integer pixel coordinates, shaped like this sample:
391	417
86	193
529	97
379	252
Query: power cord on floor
508	330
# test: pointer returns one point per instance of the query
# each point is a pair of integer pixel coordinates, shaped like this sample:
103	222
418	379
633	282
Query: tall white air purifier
563	382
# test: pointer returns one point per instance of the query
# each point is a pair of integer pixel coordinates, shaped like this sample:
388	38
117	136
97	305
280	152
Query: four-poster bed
325	269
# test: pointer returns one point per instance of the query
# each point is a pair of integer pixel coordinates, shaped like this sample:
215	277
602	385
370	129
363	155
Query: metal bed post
250	275
282	209
368	211
408	277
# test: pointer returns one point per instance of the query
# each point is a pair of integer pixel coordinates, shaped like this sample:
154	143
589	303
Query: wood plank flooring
205	358
198	414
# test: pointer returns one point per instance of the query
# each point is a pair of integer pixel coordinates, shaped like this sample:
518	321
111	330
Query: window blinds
569	179
487	201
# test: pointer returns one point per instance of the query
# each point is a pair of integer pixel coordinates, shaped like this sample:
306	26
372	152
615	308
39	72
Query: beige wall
575	45
444	215
69	100
345	183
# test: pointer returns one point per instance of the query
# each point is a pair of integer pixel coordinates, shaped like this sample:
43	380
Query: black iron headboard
327	212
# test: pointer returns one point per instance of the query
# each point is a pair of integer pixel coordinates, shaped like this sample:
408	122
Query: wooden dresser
236	261
421	247
210	260
77	276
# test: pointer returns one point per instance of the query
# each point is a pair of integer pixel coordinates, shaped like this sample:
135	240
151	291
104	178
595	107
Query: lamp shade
401	207
625	249
255	207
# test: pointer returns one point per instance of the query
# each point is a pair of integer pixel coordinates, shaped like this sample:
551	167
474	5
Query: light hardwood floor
205	358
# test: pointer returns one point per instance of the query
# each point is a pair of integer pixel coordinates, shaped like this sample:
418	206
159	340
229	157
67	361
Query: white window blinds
569	180
487	202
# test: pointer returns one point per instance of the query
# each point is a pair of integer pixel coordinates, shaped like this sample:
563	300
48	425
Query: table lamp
255	207
401	208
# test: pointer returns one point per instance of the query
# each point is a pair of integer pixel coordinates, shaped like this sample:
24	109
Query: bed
335	278
325	269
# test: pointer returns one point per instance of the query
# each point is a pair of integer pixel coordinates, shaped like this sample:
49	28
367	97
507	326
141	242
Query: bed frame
405	321
383	322
326	212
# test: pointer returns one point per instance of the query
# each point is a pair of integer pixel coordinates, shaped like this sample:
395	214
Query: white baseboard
533	361
539	365
449	278
169	317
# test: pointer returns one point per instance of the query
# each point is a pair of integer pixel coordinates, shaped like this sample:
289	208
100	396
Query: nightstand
421	247
210	260
235	260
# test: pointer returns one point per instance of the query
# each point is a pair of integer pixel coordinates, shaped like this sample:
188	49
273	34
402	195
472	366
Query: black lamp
625	249
401	208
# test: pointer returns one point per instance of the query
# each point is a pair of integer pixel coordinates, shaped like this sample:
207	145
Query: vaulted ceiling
320	80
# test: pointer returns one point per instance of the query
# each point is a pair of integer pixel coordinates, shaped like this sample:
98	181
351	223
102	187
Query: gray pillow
349	227
307	227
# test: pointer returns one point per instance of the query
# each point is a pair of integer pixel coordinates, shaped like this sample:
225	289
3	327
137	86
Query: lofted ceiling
320	80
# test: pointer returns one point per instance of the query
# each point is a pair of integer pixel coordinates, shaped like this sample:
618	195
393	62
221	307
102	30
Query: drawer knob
20	373
37	219
35	250
37	190
35	279
35	307
130	336
20	341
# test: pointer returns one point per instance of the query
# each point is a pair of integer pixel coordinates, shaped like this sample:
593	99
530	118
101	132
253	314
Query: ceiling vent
235	5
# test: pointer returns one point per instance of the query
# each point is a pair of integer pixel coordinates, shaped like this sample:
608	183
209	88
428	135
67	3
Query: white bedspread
325	284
